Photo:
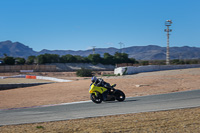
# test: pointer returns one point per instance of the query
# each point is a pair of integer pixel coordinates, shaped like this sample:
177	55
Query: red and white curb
36	77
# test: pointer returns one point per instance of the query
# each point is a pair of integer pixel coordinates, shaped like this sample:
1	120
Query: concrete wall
150	68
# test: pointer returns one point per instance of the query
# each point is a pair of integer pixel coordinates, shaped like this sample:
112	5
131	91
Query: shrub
9	60
40	127
84	72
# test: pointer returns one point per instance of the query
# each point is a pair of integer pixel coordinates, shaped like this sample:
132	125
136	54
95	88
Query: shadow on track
131	100
122	101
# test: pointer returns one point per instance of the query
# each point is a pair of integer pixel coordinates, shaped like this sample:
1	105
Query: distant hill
15	49
150	52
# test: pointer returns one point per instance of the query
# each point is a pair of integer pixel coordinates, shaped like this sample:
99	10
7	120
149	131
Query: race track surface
86	109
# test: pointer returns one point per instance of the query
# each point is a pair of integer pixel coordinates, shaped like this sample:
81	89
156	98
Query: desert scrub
39	127
84	72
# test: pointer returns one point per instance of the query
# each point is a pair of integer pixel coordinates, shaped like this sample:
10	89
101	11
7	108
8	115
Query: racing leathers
102	83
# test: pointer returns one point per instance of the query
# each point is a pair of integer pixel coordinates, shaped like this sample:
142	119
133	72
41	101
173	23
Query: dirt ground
181	120
77	90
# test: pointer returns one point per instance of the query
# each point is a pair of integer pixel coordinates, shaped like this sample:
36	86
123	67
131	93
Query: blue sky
80	24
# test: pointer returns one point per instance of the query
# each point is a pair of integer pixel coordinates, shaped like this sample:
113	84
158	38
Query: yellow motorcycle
97	91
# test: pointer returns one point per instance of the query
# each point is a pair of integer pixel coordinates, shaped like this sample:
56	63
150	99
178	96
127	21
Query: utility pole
168	23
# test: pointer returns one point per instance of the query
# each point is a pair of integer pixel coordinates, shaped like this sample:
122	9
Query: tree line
172	62
107	59
117	58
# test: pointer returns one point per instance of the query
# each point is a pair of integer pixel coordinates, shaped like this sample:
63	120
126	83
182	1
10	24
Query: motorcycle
97	91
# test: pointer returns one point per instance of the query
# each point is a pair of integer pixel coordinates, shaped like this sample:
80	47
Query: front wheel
120	96
96	99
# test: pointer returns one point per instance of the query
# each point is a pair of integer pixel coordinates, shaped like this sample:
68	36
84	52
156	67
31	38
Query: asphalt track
86	109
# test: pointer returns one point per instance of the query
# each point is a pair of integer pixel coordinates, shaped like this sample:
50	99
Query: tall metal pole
168	23
93	49
167	56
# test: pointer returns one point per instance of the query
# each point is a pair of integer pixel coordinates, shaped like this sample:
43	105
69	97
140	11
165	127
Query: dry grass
179	121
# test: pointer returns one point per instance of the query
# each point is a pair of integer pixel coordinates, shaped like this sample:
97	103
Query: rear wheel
96	99
120	96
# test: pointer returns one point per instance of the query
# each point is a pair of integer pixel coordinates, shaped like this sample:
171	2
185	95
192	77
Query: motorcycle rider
102	83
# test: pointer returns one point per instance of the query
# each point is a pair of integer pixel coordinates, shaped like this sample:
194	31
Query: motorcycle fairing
94	89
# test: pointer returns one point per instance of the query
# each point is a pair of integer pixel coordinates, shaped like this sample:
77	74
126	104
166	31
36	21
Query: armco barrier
150	68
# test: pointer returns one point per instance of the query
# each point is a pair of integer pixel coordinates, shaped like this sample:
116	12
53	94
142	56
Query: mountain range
150	52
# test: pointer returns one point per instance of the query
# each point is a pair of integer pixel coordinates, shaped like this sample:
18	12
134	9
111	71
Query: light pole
168	23
93	49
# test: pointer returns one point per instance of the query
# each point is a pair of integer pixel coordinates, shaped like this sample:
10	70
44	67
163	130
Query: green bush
84	72
9	60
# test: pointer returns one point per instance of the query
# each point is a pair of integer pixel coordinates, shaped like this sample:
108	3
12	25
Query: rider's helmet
93	79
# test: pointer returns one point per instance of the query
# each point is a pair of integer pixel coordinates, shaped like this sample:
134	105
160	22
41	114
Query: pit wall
150	68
